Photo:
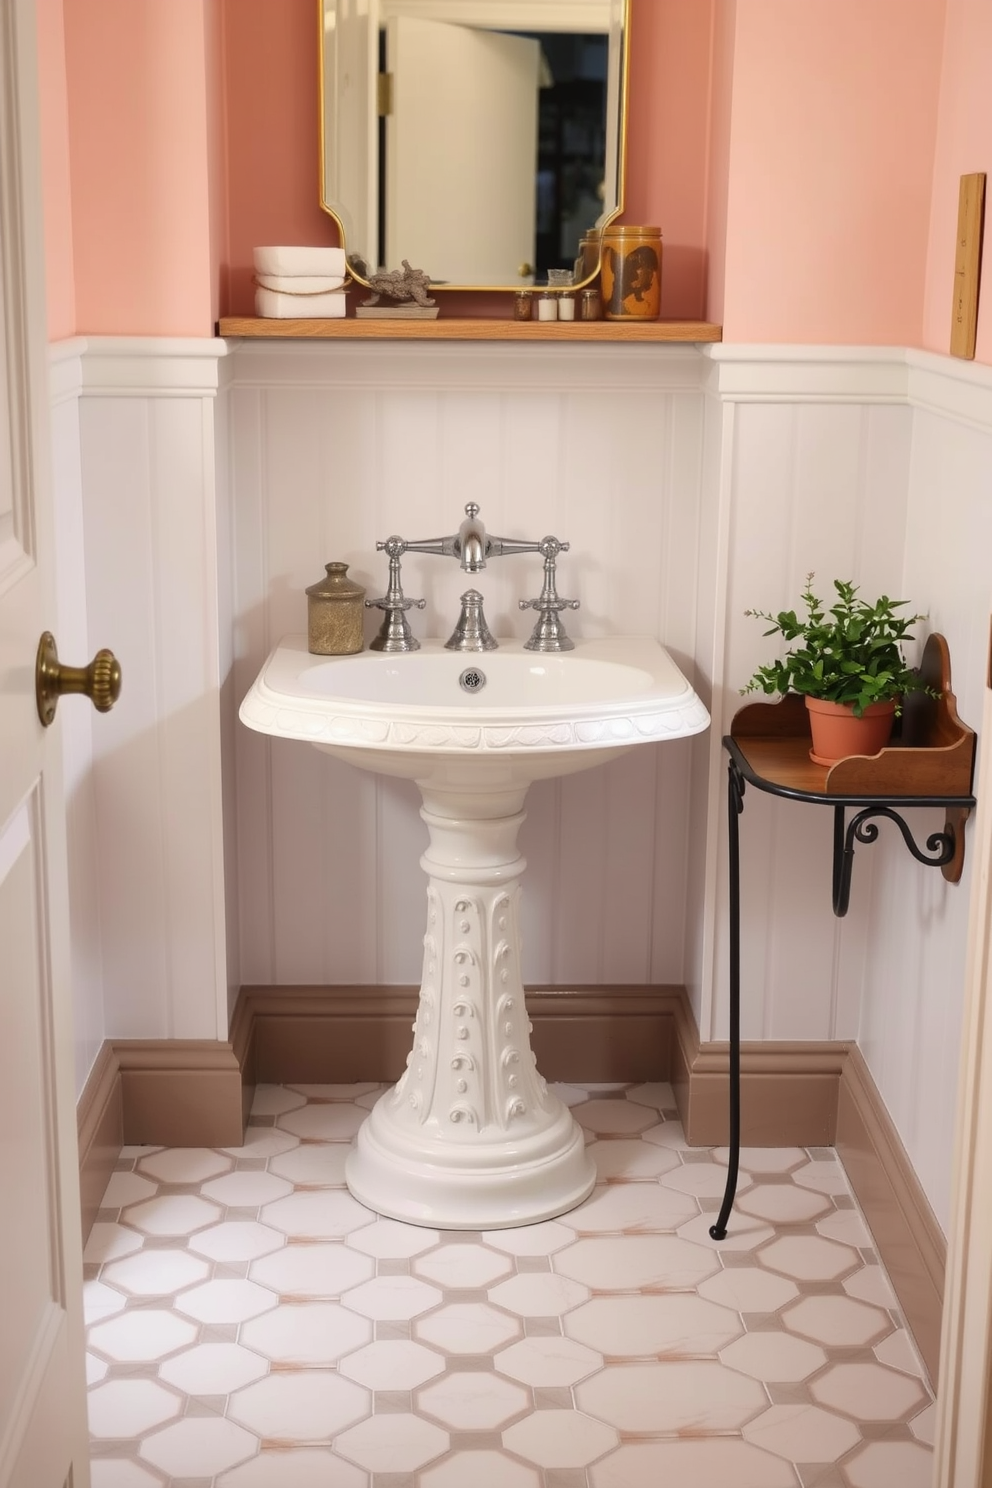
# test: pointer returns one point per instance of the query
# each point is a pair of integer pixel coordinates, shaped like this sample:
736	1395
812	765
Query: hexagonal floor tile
237	1240
313	1162
802	1433
246	1190
749	1289
145	1333
320	1215
101	1301
631	1160
198	1446
129	1407
315	1270
213	1369
388	1237
184	1164
118	1472
605	1117
783	1203
275	1100
847	1226
392	1443
824	1174
897	1352
808	1257
637	1261
637	1327
559	1438
493	1469
541	1239
658	1094
538	1294
467	1328
127	1188
549	1361
156	1273
694	1396
295	1467
774	1357
765	1159
108	1242
300	1406
392	1364
703	1180
335	1121
263	1142
225	1301
703	1464
306	1333
744	1232
172	1214
621	1208
459	1265
837	1320
880	1464
869	1392
473	1401
870	1284
392	1298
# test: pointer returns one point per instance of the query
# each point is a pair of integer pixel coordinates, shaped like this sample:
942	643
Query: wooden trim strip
100	1127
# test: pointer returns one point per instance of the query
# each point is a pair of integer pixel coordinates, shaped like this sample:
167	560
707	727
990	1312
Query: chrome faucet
473	547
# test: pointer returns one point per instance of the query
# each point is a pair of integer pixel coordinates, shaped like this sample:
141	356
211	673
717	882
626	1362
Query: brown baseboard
910	1242
187	1093
100	1126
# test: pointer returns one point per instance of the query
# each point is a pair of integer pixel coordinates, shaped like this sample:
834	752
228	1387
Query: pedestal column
471	1137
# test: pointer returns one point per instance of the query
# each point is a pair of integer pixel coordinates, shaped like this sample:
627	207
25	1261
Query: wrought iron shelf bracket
931	763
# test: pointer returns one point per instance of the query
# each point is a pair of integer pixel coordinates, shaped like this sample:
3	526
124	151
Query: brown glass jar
335	607
631	273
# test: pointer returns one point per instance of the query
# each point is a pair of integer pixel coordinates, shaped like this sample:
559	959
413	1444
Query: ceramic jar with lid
335	607
631	272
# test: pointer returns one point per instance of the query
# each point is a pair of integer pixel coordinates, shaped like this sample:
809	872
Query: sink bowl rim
668	708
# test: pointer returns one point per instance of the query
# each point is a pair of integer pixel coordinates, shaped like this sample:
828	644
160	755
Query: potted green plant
847	662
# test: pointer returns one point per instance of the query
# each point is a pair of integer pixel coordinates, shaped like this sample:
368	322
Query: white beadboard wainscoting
202	491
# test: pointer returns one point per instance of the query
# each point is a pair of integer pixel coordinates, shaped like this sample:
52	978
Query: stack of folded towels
299	283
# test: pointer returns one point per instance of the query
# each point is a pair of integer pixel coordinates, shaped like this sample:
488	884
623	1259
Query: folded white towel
271	305
300	261
300	284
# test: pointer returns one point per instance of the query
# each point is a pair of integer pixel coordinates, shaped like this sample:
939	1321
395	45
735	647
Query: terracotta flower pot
837	733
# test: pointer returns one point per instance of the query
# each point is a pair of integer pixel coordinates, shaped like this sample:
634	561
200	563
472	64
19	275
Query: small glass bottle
547	306
566	306
523	304
591	304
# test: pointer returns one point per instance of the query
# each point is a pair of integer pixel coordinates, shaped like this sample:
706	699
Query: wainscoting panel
330	452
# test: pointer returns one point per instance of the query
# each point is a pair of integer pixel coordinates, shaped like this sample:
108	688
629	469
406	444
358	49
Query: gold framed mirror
480	140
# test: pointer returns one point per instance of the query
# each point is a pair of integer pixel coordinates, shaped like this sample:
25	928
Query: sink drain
472	680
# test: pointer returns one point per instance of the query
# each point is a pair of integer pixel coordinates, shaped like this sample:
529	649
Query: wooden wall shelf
452	328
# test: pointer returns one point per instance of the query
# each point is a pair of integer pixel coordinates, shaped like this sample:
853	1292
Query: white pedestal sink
471	1137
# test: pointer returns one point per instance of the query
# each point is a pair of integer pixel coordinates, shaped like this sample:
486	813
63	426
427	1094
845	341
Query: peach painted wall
56	193
964	144
271	85
668	136
833	123
137	113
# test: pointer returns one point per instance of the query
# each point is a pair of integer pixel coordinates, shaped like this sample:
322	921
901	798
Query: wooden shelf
454	329
932	753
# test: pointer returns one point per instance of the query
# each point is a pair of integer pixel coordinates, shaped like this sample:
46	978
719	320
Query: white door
43	1442
461	152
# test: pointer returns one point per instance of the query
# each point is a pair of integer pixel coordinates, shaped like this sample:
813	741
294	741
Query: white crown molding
806	374
150	366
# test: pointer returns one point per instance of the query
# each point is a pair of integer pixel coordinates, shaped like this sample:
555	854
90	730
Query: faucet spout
472	545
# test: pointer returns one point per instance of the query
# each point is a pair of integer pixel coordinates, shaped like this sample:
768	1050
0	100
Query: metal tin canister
335	607
631	273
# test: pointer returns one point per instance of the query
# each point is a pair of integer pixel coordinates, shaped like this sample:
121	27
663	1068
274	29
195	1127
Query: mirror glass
480	140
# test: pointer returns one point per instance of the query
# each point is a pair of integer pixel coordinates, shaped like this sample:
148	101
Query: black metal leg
735	805
843	864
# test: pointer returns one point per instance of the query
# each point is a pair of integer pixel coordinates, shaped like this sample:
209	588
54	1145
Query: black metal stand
941	848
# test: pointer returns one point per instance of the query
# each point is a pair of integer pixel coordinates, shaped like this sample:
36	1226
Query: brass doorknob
525	270
100	681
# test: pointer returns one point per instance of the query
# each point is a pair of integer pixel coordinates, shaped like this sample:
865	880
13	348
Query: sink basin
528	715
471	1137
